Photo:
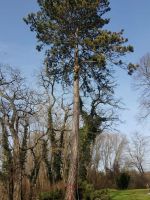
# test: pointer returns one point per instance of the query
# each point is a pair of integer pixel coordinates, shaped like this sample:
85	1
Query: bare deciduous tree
58	114
142	84
138	152
108	151
16	106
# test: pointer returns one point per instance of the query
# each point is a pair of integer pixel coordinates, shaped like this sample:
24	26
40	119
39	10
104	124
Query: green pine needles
63	25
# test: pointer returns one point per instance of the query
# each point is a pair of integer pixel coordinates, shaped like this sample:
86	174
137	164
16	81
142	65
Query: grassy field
130	195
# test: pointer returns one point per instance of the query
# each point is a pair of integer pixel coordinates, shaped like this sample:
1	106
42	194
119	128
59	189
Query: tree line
36	134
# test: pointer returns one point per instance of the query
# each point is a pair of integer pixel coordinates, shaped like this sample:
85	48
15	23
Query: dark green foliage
7	163
88	133
93	124
55	150
86	191
123	180
6	174
7	155
46	160
63	25
100	195
55	194
57	166
23	151
35	169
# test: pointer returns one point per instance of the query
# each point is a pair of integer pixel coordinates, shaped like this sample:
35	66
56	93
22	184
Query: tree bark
17	168
73	169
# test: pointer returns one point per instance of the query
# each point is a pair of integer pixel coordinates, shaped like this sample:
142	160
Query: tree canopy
60	26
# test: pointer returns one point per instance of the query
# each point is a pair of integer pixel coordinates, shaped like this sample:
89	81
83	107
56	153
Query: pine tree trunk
73	169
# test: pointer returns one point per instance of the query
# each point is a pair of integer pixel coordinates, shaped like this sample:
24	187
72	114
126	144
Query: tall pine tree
80	53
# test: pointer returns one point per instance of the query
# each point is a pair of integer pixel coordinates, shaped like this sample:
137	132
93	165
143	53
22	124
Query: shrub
54	194
87	192
100	195
123	180
84	191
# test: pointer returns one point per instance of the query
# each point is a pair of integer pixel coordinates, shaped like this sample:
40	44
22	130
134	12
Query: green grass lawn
130	195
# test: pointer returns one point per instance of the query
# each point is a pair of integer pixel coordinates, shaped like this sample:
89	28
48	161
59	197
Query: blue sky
17	46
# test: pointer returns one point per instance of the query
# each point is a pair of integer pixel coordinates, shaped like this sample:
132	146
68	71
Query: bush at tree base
85	191
56	194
